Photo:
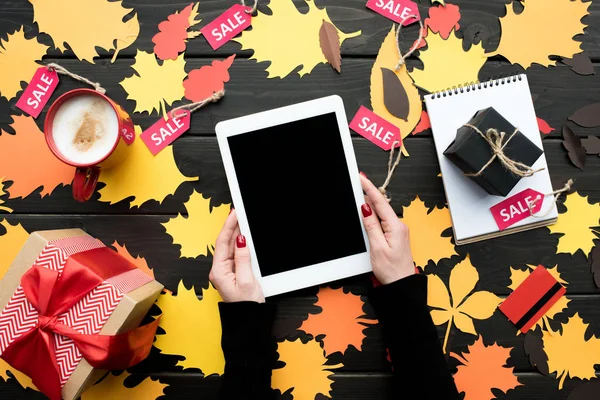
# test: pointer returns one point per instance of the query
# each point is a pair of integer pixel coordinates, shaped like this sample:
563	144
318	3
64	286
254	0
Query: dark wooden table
366	374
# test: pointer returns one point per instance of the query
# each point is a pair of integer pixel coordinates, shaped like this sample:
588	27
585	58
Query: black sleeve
411	337
249	348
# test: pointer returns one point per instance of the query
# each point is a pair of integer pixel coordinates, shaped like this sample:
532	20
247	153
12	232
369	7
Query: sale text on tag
227	25
376	129
38	92
164	132
516	208
396	10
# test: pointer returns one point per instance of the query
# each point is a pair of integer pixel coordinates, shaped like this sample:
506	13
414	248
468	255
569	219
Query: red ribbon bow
52	294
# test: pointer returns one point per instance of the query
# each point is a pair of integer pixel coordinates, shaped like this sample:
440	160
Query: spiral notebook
469	204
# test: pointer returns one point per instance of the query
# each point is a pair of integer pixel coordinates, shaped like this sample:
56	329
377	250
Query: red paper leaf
423	124
394	96
203	82
442	20
572	143
580	64
587	116
329	39
544	127
172	36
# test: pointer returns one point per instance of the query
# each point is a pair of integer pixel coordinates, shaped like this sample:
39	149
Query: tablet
296	190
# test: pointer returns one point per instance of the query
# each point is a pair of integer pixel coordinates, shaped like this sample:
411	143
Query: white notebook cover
469	204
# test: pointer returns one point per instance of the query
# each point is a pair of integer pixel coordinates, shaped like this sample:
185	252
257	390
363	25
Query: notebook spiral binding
476	85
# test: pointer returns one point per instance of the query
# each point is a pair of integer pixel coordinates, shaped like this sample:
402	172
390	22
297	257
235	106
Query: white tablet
295	187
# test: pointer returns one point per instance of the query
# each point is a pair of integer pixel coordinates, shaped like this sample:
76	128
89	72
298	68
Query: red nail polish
240	241
363	174
366	210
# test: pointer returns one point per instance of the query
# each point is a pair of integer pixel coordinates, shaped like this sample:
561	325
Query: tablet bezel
315	274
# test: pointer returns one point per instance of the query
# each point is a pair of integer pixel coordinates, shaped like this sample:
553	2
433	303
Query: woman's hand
231	272
389	239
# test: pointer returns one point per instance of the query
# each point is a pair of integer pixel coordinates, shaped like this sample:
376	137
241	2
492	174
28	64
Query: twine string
556	193
63	71
402	59
253	10
191	107
391	167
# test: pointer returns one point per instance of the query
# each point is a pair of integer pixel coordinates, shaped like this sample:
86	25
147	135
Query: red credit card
532	299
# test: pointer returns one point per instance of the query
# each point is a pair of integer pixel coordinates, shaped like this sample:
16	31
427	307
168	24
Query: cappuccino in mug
85	129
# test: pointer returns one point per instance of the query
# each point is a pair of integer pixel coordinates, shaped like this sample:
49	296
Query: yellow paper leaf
160	176
576	225
18	58
23	379
155	86
446	64
197	233
517	276
193	329
388	58
10	243
304	370
544	28
288	38
3	193
112	387
452	307
569	353
426	240
85	25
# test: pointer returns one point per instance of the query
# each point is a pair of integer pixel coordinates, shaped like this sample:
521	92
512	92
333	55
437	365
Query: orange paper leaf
26	160
340	321
484	367
423	124
173	33
544	127
442	19
329	39
203	82
139	261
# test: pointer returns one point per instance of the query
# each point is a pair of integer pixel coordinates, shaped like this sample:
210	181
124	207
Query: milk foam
85	129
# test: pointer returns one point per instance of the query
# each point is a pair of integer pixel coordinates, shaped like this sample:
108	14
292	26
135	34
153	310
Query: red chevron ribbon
64	300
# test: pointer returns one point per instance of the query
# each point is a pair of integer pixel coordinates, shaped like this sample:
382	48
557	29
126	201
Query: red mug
87	174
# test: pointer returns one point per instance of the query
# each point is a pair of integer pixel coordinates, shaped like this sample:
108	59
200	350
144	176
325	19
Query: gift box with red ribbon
71	309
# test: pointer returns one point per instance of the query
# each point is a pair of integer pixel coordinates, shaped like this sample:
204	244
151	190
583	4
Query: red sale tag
227	25
396	10
516	208
164	132
379	131
38	92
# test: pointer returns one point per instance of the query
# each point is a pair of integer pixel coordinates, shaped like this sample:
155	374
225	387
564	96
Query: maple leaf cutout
426	227
192	328
197	233
18	61
113	387
484	367
576	225
173	33
517	276
23	379
10	243
85	25
457	306
388	58
139	261
288	38
340	320
201	83
39	168
544	28
569	353
155	86
161	176
304	371
442	19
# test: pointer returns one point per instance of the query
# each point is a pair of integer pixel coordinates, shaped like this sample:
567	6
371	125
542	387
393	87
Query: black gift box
470	152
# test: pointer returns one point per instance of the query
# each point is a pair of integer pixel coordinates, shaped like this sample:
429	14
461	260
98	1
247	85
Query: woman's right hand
389	239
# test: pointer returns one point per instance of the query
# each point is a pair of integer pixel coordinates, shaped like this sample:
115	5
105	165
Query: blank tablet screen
297	194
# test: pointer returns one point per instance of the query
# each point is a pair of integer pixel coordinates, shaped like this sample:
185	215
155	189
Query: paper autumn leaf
201	83
580	64
340	320
155	86
438	72
39	168
18	57
85	25
192	328
173	33
424	123
442	19
10	243
23	379
304	371
517	276
329	40
388	58
569	353
288	38
161	176
457	307
543	29
544	127
3	193
112	387
576	225
394	96
426	227
483	369
139	261
197	233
